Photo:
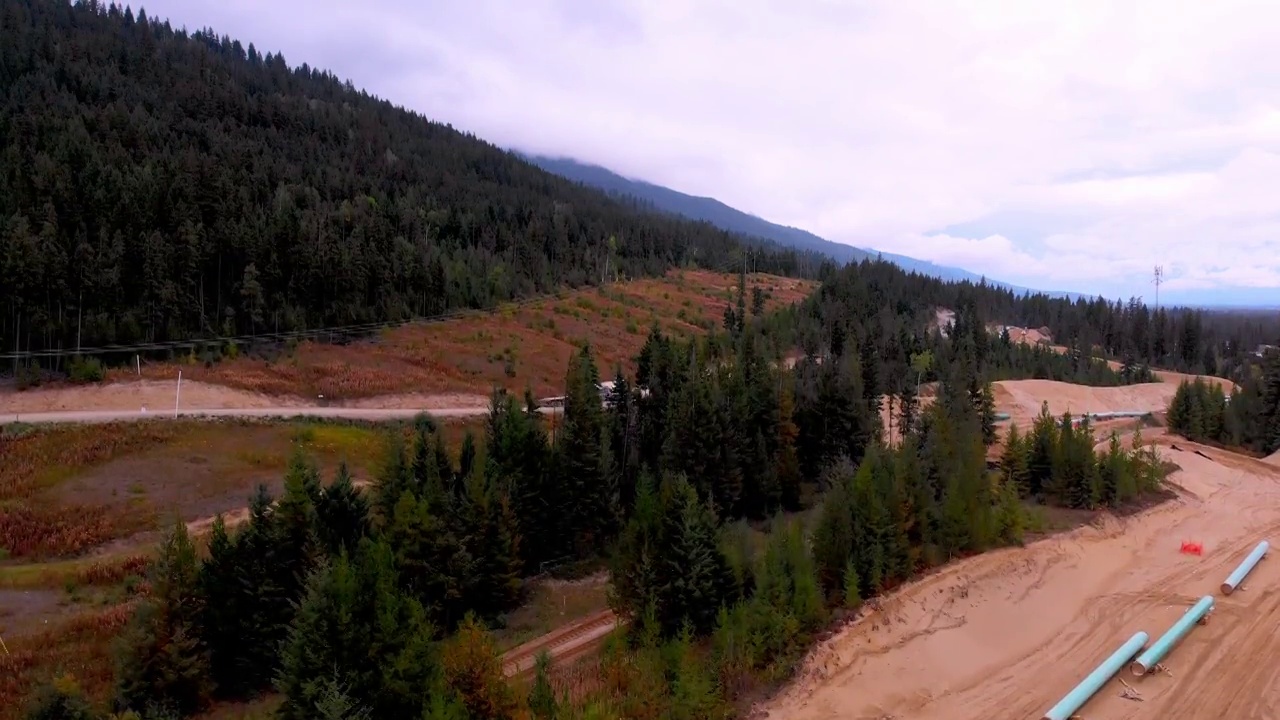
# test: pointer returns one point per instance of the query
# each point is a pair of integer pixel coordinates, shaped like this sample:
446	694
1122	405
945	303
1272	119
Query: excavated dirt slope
1006	634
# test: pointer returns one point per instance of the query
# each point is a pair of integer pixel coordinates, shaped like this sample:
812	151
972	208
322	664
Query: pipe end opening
1138	669
1226	588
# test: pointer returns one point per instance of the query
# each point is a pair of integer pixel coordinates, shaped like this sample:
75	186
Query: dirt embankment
1006	634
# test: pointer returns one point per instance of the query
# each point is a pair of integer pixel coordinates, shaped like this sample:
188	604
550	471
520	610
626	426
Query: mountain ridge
727	217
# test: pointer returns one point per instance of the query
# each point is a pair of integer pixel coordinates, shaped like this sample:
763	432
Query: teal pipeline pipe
1237	576
1079	695
1161	647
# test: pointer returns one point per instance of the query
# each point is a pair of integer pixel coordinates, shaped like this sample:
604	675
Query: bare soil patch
1007	633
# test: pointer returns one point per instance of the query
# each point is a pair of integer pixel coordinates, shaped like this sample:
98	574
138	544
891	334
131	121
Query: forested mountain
156	184
728	218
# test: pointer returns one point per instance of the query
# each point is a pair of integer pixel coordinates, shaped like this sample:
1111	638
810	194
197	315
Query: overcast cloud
1054	145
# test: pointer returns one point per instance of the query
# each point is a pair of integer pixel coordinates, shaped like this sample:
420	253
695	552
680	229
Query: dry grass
517	346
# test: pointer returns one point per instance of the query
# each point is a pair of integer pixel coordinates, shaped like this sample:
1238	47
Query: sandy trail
1006	634
159	396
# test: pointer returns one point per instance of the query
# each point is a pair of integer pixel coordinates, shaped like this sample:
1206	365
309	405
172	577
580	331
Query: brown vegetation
520	345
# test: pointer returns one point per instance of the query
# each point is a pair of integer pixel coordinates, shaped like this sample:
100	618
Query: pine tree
694	575
833	536
342	515
852	596
542	698
355	627
1015	461
579	442
496	548
434	564
221	605
1044	446
163	662
395	478
634	565
248	605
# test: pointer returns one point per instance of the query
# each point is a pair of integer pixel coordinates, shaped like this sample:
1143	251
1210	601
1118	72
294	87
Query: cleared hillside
450	363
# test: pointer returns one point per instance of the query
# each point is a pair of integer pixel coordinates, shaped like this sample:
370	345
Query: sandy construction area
1006	634
1022	398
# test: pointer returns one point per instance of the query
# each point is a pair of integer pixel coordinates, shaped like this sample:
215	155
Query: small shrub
85	370
61	699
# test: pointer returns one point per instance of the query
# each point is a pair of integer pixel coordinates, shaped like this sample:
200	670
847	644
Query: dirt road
1006	634
349	413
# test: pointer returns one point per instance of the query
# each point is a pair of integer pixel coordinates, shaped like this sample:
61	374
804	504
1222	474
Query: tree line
1248	417
1217	342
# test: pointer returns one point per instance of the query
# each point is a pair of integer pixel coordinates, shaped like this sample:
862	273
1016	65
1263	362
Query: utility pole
1157	279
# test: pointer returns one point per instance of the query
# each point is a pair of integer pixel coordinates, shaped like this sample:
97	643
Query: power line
360	329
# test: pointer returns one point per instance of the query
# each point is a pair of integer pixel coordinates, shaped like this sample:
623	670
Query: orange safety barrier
1192	548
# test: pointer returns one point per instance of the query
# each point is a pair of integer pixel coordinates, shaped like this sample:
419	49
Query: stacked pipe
1148	659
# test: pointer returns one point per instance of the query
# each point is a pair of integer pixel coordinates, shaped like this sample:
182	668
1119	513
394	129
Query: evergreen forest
1246	418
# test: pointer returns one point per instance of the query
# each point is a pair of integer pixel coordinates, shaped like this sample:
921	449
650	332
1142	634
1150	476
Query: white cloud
1155	127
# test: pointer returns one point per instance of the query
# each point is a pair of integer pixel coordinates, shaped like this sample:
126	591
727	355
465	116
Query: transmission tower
1157	279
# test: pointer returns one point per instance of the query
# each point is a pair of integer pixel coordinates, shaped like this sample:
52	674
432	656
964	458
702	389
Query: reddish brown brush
519	345
80	646
43	532
115	570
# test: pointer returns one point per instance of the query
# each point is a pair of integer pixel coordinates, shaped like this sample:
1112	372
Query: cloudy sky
1056	145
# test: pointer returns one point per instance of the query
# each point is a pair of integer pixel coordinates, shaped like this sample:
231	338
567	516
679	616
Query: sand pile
1006	634
1022	398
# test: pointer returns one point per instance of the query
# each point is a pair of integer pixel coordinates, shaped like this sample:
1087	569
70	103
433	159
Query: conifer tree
588	495
1044	446
634	566
222	601
542	698
248	606
395	477
435	565
694	575
833	536
342	515
355	627
1015	462
163	662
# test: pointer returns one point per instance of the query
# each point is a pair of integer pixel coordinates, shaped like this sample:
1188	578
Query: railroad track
567	642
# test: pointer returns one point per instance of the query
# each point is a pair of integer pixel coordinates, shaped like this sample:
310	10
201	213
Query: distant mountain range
727	218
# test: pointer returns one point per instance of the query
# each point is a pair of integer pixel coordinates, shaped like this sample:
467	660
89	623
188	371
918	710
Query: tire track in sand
1108	620
1238	677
